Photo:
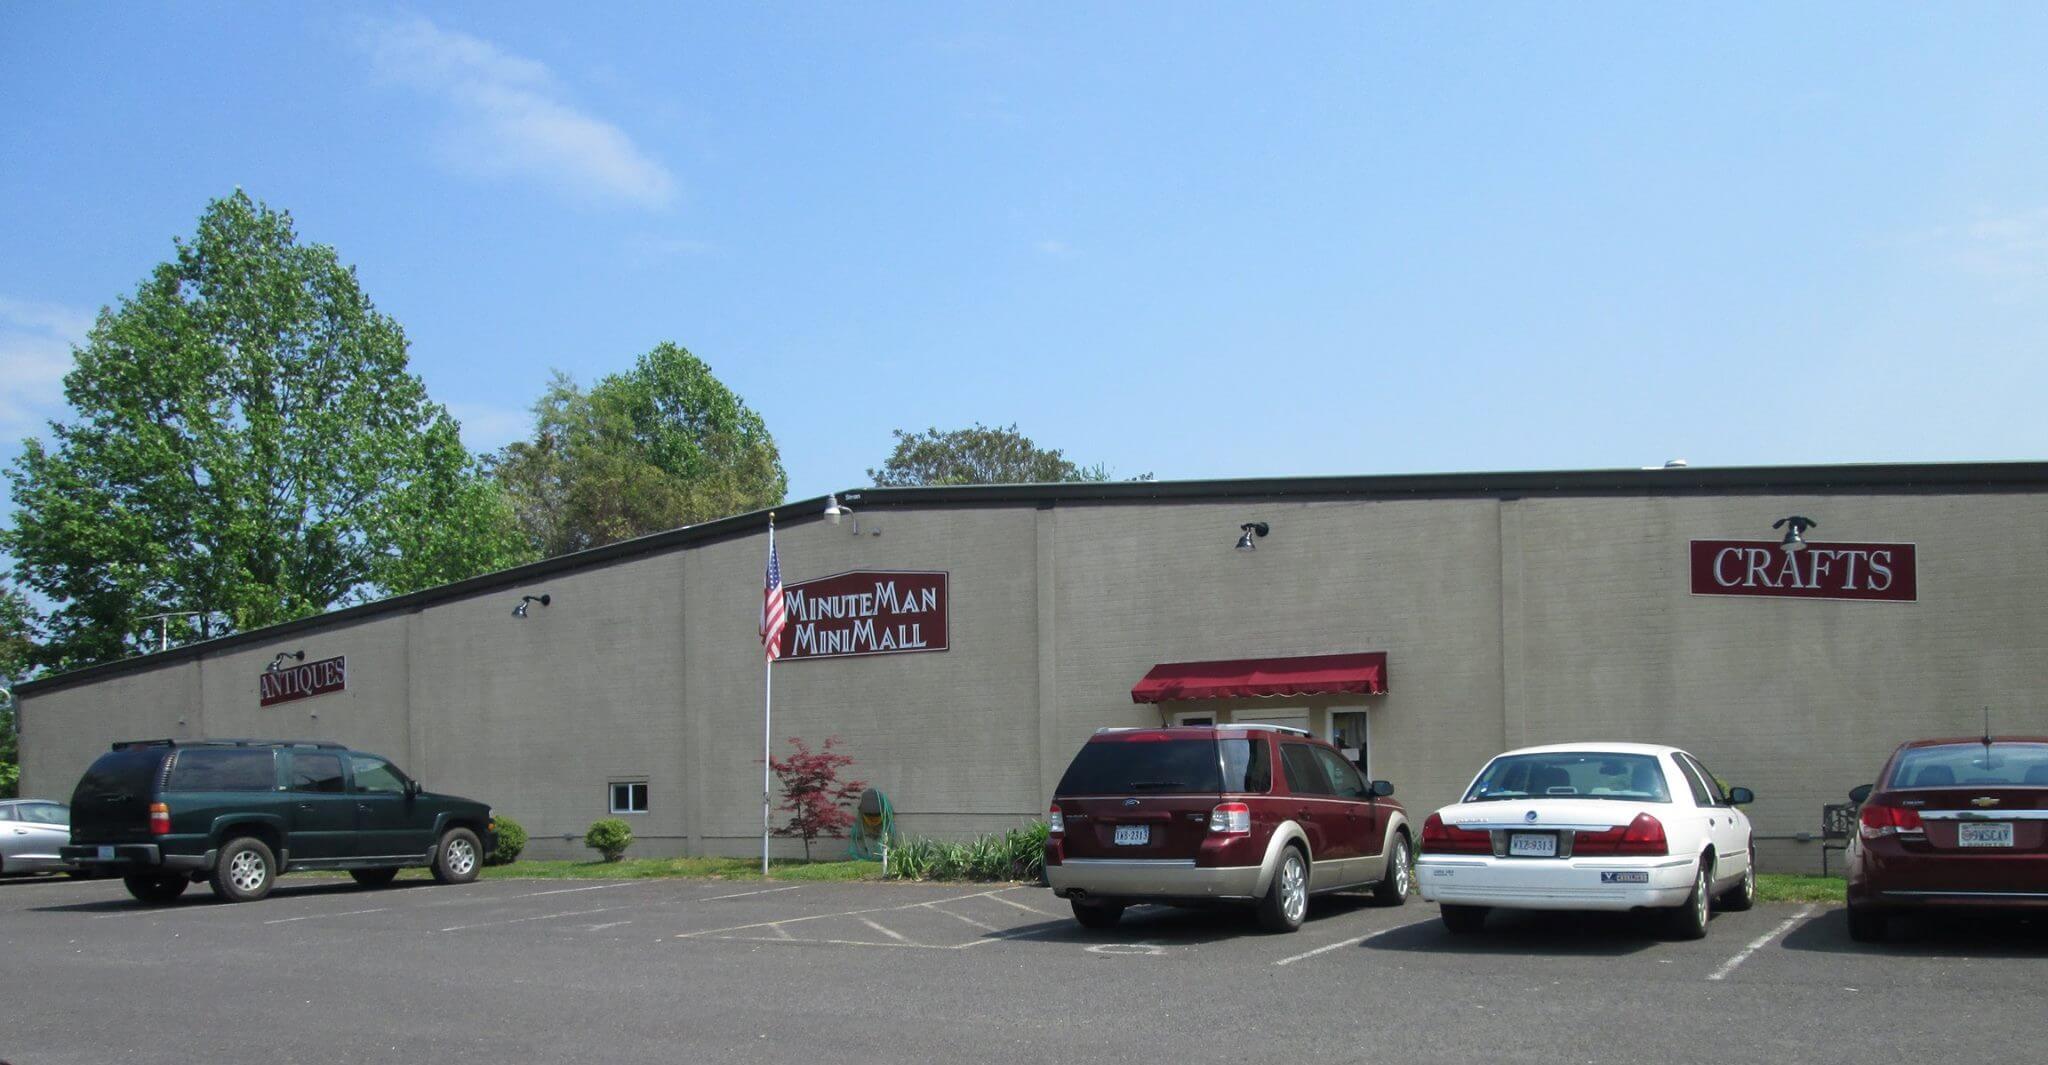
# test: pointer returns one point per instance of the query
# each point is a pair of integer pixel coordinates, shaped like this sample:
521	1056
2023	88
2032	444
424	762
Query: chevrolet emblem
1984	800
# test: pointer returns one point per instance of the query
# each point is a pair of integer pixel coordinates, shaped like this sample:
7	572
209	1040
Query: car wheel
1868	925
1400	876
1689	921
1286	901
1097	914
1463	920
246	871
373	877
1742	896
149	887
458	858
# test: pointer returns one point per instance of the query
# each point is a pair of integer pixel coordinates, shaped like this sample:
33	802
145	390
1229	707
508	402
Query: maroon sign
303	682
1883	572
866	612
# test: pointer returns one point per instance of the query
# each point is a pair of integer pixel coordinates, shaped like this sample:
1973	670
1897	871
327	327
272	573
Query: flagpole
767	717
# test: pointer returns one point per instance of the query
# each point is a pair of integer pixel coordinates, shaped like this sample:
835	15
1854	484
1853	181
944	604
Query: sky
1195	240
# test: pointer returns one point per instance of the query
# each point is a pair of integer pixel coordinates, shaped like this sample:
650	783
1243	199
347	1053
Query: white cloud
2008	247
1052	247
509	118
35	354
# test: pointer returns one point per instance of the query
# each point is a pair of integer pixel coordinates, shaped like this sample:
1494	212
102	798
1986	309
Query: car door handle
1304	815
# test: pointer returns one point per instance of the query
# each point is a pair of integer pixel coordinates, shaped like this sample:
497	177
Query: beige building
1649	605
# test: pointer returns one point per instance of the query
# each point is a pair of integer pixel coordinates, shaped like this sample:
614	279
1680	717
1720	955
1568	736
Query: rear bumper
1886	873
1553	884
1151	878
122	858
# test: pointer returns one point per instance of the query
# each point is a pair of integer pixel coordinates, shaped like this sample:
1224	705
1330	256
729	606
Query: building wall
1506	622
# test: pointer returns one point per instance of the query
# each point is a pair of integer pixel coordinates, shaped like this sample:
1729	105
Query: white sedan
1591	826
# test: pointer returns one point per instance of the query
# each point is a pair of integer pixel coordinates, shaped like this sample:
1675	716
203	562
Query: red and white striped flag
772	616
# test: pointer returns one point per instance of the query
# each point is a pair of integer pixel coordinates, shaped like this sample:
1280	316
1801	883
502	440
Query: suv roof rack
129	745
1227	724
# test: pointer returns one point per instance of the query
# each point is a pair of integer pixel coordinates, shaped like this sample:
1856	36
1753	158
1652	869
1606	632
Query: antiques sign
1884	572
866	612
303	681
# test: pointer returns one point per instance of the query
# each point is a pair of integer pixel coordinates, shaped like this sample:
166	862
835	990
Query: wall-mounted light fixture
1795	527
278	662
520	610
1250	529
835	512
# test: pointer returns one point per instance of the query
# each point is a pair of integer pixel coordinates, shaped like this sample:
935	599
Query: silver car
31	831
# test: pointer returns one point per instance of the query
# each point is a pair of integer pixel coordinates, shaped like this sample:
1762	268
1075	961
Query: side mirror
1740	796
1859	793
1382	788
412	788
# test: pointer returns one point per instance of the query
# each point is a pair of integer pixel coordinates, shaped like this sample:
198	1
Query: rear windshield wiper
1152	785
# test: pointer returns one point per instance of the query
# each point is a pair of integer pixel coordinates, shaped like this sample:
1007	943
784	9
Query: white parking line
316	916
877	926
744	894
962	917
523	920
565	891
1027	909
1743	955
1352	942
824	916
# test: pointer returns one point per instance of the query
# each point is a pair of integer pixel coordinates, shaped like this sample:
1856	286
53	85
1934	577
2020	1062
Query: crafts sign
866	612
1880	572
303	681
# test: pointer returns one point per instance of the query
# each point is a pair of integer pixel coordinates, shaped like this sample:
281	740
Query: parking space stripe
1026	909
877	926
523	920
315	916
962	917
1352	942
1743	955
825	916
744	894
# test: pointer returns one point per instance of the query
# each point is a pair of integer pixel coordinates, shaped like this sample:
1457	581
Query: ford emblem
1530	816
1130	802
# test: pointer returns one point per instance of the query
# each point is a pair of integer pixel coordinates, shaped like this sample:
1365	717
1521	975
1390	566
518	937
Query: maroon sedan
1960	822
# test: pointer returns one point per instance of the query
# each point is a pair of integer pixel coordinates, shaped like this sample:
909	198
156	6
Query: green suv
163	814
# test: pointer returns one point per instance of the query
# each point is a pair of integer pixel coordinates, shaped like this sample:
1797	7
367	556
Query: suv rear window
201	769
1973	765
131	772
1168	767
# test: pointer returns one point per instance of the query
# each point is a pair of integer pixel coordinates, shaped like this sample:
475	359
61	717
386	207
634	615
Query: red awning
1364	674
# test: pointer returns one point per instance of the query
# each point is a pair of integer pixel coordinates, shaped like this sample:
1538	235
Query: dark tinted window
1714	792
317	772
1120	767
1700	795
376	774
1247	765
208	769
1304	772
1344	779
1579	774
131	773
1973	765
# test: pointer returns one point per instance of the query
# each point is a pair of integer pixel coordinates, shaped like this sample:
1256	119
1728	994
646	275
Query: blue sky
1191	239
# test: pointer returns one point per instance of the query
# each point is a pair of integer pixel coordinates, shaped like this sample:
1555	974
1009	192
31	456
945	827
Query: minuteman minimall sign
865	612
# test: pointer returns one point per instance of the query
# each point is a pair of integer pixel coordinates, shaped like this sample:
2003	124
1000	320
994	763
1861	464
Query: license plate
1995	834
1532	845
106	853
1624	878
1133	835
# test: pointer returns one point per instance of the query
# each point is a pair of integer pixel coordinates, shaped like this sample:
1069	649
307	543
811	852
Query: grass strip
1793	887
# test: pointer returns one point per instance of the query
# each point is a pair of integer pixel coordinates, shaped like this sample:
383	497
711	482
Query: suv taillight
1644	835
1055	822
1231	819
159	819
1440	838
1876	820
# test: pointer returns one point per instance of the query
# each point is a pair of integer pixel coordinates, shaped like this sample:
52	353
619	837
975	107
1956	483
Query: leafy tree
812	792
979	455
17	629
246	443
661	445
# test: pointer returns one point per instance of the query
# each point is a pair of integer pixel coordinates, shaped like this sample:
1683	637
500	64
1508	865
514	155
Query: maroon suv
1960	822
1255	814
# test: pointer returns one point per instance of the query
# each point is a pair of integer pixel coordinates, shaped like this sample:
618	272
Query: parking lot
669	971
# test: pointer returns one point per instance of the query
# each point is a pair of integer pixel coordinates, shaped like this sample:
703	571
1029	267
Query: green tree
246	442
979	455
659	446
17	639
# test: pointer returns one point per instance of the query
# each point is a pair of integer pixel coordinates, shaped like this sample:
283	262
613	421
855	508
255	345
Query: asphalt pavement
707	971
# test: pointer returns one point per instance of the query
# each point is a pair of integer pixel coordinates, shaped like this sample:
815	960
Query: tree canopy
662	445
16	641
979	455
246	443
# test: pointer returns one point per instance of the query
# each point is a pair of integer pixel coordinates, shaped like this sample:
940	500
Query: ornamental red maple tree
812	792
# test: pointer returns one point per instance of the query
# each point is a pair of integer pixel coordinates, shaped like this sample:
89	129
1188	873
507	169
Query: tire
373	878
1463	920
154	889
1742	896
458	858
1868	925
246	872
1097	914
1285	904
1689	921
1394	886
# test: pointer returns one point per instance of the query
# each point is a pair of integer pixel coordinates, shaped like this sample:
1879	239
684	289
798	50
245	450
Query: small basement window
629	796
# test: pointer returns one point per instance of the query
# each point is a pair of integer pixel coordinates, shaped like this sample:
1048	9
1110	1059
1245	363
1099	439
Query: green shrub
511	840
609	837
1015	855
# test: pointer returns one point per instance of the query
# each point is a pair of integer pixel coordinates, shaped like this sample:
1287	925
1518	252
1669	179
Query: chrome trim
1984	815
1132	863
1524	826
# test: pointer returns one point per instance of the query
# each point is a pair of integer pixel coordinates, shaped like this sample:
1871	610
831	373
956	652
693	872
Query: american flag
772	616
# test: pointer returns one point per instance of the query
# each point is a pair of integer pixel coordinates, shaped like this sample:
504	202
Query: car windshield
1973	765
1574	774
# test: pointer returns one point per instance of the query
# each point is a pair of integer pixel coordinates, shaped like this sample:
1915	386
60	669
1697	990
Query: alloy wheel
246	871
461	857
1293	889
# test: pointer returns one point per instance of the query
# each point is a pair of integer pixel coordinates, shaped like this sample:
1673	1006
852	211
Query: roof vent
1675	464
